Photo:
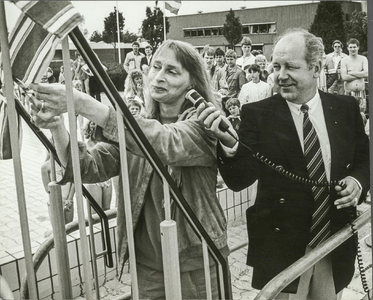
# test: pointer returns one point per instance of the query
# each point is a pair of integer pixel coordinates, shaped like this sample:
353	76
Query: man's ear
317	69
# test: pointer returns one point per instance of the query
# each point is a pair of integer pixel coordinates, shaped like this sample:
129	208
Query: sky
95	12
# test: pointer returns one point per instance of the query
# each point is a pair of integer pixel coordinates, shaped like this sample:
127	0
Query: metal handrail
277	284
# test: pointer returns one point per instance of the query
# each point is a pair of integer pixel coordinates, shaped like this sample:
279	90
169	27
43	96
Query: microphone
194	97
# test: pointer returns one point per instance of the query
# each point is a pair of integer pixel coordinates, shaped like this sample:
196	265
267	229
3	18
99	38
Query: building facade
262	25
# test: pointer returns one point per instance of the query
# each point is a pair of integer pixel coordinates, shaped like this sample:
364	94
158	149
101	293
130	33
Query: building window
245	29
194	33
187	33
207	32
200	32
215	31
254	29
272	28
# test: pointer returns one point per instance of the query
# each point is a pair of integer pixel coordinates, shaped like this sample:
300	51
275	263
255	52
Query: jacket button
348	166
277	229
282	200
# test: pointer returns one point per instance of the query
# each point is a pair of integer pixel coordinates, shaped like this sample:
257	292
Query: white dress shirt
316	115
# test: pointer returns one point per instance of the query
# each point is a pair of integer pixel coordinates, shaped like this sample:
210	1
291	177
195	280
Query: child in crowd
135	107
101	191
233	105
261	61
68	189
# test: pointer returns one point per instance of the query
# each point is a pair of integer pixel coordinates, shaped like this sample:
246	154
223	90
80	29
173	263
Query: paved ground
33	155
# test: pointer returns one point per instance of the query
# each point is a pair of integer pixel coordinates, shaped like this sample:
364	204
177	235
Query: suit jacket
144	61
279	222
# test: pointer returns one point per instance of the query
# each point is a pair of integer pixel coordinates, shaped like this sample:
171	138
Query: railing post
16	153
127	204
76	170
170	250
59	234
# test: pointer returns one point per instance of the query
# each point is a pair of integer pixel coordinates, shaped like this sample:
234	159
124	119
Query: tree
357	28
110	33
232	29
128	37
96	36
328	23
152	28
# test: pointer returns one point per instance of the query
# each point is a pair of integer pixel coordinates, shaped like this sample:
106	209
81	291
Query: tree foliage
232	29
128	37
357	27
152	28
110	33
328	23
96	36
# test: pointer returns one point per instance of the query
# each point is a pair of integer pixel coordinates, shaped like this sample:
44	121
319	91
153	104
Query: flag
57	17
173	6
31	46
31	50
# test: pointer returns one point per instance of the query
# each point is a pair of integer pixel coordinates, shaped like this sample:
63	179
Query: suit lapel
286	134
333	121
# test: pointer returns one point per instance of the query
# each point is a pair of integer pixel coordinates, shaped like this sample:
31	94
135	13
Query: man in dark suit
145	61
314	135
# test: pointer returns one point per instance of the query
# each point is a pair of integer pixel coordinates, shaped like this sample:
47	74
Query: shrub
117	74
115	71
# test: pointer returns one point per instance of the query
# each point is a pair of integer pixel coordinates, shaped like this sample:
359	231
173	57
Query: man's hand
350	194
210	117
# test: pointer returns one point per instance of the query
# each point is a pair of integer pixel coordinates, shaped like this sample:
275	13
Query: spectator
220	58
235	77
100	191
256	89
247	58
354	71
134	86
261	61
233	106
135	107
217	75
133	58
48	77
68	189
146	60
334	83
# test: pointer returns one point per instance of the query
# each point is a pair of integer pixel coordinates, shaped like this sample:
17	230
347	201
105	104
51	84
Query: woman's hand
50	100
52	123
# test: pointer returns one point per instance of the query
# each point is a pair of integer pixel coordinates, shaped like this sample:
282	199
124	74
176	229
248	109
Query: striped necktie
320	228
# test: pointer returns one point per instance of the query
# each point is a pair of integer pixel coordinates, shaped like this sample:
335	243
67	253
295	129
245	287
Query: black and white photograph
185	150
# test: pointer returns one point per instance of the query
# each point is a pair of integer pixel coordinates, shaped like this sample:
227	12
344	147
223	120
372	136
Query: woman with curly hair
133	86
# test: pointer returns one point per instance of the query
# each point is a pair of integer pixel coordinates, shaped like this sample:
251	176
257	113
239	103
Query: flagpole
164	20
118	32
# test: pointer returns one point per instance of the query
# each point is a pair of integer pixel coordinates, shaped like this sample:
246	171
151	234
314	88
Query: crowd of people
302	110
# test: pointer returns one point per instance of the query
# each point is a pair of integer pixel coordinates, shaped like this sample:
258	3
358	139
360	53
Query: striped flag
57	17
173	6
32	46
31	50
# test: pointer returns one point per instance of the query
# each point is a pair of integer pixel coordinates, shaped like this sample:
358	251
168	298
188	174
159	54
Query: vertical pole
59	234
93	249
170	250
206	266
118	33
164	20
16	153
76	170
127	204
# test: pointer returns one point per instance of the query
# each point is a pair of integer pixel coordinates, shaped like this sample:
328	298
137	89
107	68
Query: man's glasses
337	46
